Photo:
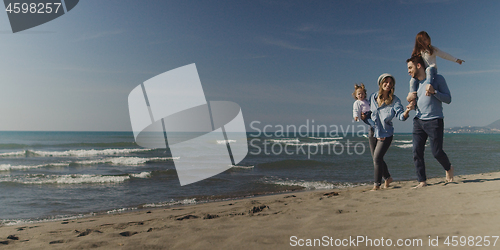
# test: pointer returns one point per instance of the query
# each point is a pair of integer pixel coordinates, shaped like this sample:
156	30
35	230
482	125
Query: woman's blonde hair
390	96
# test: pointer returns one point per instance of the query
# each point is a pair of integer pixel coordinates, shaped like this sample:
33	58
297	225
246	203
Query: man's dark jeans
434	130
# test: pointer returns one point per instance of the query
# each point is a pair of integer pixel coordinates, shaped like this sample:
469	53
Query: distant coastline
493	128
471	130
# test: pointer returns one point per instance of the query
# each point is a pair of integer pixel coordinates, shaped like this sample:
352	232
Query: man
428	122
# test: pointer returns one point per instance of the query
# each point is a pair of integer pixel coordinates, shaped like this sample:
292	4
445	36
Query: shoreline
152	206
465	207
189	201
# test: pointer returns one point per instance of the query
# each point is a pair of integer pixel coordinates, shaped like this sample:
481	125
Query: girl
428	52
361	107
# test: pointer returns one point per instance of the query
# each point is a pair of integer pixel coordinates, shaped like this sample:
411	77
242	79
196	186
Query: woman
384	106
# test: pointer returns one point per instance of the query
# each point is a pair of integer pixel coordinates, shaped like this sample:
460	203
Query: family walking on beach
428	92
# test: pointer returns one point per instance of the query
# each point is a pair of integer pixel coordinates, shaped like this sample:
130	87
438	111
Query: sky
284	62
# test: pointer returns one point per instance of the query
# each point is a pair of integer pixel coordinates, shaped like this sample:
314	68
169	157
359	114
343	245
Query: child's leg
430	74
412	95
413	85
368	120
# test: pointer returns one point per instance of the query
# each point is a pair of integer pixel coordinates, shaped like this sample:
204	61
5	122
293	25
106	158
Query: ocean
46	176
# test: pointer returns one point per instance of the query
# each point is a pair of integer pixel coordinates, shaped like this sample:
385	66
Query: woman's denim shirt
382	116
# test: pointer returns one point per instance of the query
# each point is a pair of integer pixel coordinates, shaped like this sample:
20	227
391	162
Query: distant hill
493	128
494	125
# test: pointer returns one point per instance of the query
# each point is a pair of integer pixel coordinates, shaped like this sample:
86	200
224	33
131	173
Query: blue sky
283	62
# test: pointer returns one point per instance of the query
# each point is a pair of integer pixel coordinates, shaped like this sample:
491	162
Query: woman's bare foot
375	188
449	175
421	184
387	182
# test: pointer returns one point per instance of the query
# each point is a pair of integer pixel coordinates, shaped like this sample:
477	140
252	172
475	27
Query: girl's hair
390	96
356	87
419	47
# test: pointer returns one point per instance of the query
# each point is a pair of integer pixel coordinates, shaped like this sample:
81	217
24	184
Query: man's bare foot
375	188
387	182
421	184
449	175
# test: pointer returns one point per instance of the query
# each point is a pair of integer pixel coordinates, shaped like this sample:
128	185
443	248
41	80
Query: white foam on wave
141	175
39	179
224	141
13	154
116	161
86	153
126	160
119	210
296	142
284	140
403	141
313	143
327	138
55	218
309	185
8	167
67	179
171	203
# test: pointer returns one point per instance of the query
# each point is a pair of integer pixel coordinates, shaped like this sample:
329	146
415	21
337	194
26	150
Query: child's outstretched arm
447	56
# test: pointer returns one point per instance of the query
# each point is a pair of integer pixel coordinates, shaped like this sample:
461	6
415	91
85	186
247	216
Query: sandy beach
356	218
